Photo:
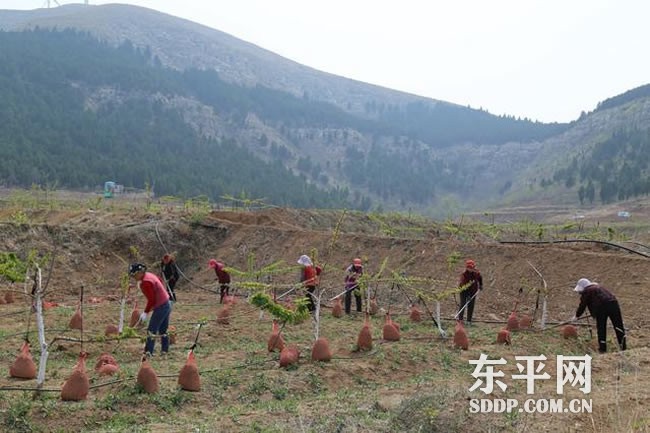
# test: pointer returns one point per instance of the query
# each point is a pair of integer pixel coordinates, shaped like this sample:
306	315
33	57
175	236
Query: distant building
111	188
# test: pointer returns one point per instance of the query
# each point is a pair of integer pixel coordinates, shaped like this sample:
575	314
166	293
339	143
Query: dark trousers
612	311
170	286
465	296
348	300
158	326
311	302
224	290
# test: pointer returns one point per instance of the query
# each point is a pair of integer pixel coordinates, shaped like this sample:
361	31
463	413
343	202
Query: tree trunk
120	326
544	314
40	324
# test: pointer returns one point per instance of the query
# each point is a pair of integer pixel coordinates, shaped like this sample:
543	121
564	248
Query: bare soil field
420	383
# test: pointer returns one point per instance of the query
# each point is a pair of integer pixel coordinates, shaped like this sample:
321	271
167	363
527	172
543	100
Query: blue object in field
109	188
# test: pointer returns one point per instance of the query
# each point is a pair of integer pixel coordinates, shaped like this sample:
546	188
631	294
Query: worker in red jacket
223	277
352	275
157	304
472	280
602	304
308	278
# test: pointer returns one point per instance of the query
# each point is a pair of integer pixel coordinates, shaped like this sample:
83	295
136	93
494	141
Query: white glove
143	317
573	319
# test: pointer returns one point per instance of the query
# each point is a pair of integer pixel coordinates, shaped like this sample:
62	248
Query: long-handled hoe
466	304
196	339
567	322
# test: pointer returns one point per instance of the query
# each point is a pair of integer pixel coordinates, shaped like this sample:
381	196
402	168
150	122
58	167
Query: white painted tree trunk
316	297
120	326
40	324
442	332
544	314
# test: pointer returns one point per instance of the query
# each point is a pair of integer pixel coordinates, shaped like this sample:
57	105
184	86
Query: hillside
417	384
606	150
300	137
401	141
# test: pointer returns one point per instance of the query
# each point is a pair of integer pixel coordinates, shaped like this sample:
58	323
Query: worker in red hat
352	275
223	277
472	282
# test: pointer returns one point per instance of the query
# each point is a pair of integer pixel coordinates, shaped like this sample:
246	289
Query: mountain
197	104
603	158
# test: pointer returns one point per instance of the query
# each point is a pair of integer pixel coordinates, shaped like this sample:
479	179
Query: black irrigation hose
553	324
13	313
567	241
19	388
21	334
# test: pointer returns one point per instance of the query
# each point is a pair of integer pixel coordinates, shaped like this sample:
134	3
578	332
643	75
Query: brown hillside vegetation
419	383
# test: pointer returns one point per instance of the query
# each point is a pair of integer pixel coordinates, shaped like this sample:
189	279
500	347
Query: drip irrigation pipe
611	244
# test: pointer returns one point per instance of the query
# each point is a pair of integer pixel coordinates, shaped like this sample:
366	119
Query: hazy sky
547	60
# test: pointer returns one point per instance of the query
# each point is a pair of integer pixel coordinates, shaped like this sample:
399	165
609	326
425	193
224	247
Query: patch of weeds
640	424
125	396
19	217
280	392
419	354
94	204
259	384
257	427
446	359
396	361
17	416
221	380
109	402
123	422
380	356
430	413
360	380
47	406
512	417
255	389
315	382
424	378
278	406
169	402
255	358
482	333
292	367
